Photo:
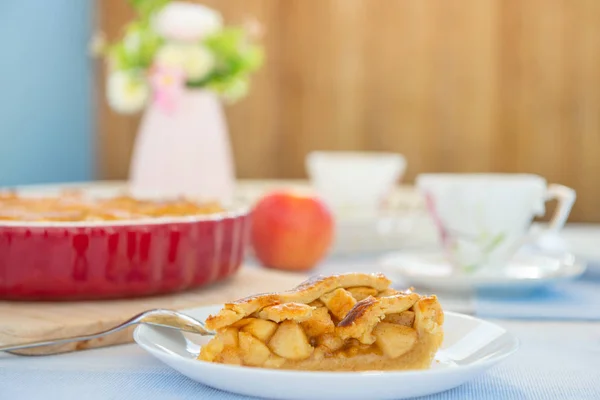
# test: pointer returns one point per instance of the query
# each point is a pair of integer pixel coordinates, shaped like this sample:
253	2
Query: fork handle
41	343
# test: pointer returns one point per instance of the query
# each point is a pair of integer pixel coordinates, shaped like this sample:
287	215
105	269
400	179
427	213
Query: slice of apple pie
349	322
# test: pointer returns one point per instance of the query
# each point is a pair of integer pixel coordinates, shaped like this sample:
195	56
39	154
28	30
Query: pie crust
348	322
74	206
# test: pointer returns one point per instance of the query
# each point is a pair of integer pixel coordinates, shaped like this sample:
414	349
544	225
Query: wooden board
32	321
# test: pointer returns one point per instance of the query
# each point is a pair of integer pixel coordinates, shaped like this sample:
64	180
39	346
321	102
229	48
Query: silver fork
158	317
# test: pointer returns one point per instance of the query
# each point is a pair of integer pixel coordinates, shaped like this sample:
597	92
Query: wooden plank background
462	85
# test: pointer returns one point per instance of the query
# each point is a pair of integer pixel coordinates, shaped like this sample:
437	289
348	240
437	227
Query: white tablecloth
556	361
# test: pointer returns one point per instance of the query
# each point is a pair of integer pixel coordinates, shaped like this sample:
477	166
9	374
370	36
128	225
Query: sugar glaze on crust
304	293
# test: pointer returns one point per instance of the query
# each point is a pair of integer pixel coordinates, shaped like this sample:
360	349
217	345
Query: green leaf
145	8
137	47
235	56
235	59
495	242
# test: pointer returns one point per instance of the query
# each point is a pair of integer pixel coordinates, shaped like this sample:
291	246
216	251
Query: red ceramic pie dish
117	259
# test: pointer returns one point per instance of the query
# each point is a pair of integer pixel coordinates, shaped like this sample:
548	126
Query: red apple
291	231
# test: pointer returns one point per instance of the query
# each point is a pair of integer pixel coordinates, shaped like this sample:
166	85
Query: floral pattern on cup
455	242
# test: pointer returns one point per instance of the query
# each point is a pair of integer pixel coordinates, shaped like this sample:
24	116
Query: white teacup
483	219
355	182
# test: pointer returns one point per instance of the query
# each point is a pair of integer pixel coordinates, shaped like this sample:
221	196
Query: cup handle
565	197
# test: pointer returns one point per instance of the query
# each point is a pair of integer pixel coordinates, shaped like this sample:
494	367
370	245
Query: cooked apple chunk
406	318
319	323
330	341
362	319
229	355
394	340
362	292
260	329
339	302
290	342
316	303
254	352
274	362
229	337
211	350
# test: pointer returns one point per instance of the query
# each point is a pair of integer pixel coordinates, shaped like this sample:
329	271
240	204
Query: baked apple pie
73	206
349	322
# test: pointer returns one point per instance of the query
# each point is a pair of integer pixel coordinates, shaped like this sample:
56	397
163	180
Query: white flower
195	60
132	41
127	92
186	22
171	55
198	62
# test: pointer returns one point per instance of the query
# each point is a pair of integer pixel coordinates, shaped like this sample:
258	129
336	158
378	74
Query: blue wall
46	75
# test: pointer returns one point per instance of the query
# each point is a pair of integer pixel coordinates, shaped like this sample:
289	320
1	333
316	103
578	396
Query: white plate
470	347
583	240
524	272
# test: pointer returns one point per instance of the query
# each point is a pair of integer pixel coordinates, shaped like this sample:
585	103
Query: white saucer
470	347
524	272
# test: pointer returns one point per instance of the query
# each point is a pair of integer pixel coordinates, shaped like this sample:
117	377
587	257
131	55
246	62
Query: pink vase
184	152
